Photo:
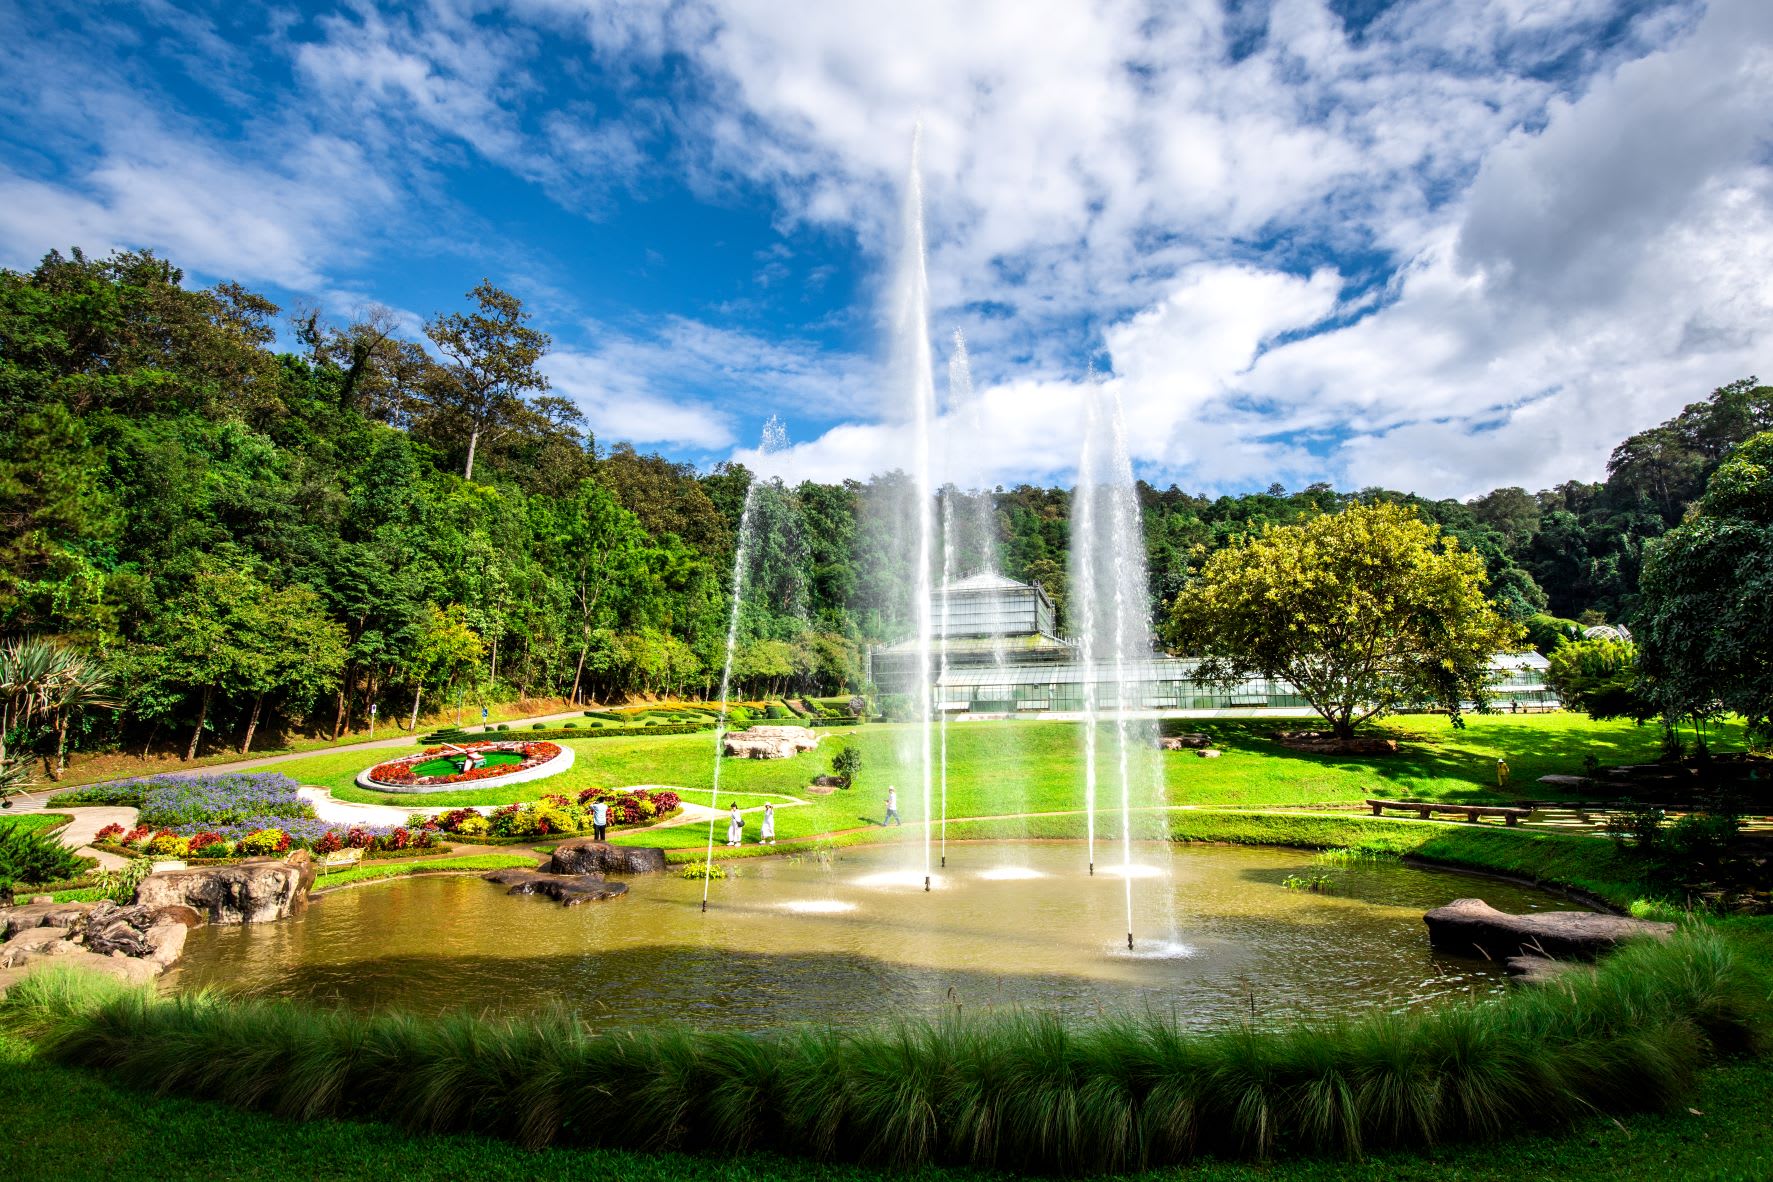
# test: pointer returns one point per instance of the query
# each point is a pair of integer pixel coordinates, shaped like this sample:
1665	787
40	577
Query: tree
491	357
209	640
301	650
1600	678
846	762
1364	610
48	680
446	648
1704	626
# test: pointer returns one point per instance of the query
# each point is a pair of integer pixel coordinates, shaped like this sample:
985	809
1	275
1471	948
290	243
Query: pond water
853	938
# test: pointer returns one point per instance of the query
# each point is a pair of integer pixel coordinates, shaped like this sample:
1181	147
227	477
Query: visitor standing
735	827
766	833
1501	772
599	819
892	817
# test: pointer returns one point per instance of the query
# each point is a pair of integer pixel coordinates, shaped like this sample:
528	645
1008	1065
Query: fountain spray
1120	529
1083	576
942	715
912	337
775	438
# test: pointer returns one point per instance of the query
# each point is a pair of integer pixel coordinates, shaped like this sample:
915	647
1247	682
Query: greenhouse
998	652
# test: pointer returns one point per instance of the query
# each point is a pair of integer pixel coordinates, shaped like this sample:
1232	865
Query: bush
28	855
504	727
169	845
1018	1092
262	842
539	726
120	885
846	761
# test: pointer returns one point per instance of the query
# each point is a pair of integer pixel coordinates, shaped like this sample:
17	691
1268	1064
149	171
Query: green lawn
29	821
999	768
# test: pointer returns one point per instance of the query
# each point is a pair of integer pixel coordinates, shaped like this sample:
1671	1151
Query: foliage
1600	678
701	870
846	762
1704	625
1698	851
29	855
120	885
1020	1092
1363	610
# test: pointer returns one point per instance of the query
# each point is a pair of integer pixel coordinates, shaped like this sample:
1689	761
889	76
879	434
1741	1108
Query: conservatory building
997	652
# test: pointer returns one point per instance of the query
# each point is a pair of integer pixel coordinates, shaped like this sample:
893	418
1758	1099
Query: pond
855	938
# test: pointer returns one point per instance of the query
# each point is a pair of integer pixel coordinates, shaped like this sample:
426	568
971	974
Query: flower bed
401	775
557	816
239	841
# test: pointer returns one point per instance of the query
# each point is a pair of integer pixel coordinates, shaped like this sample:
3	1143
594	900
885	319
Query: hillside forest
249	537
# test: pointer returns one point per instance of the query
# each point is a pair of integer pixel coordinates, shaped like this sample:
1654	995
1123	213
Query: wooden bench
339	859
1424	810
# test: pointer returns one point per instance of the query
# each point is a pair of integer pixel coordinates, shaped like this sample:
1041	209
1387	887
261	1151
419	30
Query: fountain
1110	587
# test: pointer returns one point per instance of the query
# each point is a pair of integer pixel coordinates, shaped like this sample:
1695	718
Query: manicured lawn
29	821
999	768
370	871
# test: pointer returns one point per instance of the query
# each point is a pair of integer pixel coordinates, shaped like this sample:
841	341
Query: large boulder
14	920
769	742
587	856
568	890
1471	927
1324	743
1184	742
255	891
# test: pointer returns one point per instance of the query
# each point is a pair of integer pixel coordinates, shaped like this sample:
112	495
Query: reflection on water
786	941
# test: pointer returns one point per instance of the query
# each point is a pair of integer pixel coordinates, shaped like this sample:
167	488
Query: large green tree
489	368
1363	610
1704	621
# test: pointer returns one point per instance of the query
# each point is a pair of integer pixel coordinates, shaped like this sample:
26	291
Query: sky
1433	245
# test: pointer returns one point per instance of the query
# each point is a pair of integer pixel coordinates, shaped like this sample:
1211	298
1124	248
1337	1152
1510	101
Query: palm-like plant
44	679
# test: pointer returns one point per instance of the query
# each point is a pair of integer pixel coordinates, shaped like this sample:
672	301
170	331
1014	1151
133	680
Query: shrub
539	726
111	832
571	726
137	835
358	838
846	761
329	843
262	842
120	885
32	856
699	870
210	845
504	726
169	845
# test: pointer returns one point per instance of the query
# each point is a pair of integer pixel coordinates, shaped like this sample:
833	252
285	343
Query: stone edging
541	771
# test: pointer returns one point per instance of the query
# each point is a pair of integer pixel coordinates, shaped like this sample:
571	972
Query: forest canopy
250	538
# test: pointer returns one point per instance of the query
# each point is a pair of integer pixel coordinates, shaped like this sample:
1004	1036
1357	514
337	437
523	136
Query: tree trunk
338	718
413	723
61	748
202	717
252	724
494	675
473	442
578	671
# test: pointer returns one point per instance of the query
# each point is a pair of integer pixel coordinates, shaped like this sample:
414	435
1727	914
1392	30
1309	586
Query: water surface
1217	938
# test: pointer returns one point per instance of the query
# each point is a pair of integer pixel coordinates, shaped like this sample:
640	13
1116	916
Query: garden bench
1472	812
340	859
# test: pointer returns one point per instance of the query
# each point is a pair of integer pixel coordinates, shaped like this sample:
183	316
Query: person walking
766	833
600	819
892	816
1501	772
735	826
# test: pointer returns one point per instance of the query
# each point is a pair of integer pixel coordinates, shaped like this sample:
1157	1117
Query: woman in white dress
735	827
766	833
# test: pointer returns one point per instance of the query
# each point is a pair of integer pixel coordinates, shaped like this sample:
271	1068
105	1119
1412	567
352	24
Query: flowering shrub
261	842
209	845
167	844
137	835
632	808
329	843
395	772
110	832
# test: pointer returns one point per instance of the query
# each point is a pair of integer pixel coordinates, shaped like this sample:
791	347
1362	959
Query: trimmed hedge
614	732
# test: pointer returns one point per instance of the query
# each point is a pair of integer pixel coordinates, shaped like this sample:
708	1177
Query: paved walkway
78	833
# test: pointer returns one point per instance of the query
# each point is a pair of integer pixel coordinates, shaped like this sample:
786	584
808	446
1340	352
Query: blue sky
1436	245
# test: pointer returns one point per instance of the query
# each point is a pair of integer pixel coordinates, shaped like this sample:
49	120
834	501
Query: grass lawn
29	821
998	768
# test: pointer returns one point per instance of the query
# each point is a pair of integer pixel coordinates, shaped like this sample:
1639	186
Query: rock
166	943
255	891
1209	753
1184	742
568	890
586	855
769	742
40	915
1471	926
828	783
1536	970
180	914
33	942
1323	743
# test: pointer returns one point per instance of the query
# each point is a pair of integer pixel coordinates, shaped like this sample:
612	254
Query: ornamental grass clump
1025	1091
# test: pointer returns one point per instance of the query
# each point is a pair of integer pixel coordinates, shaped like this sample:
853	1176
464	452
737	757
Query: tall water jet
1108	549
775	438
1083	599
948	563
911	337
